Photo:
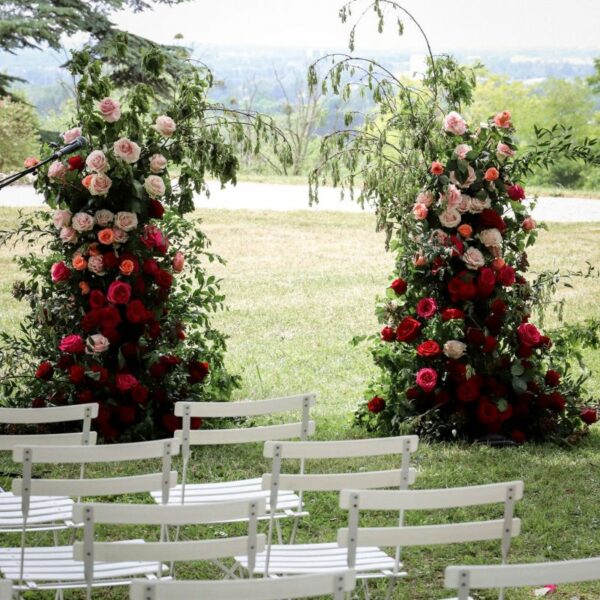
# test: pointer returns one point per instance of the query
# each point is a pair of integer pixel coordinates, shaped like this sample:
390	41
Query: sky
451	25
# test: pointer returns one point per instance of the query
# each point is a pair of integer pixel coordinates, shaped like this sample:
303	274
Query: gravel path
263	196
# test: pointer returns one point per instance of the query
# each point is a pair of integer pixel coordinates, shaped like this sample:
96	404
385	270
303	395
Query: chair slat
8	442
432	499
105	486
6	590
96	454
246	408
342	449
153	514
507	576
336	481
425	535
52	414
244	435
300	586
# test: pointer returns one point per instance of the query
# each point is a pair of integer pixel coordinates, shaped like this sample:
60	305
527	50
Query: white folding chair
300	586
288	503
293	559
45	513
466	578
6	589
354	537
53	567
97	554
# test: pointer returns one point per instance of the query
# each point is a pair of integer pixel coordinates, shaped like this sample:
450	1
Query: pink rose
30	161
453	196
491	238
127	221
119	292
473	258
82	222
425	198
477	206
454	349
529	334
57	171
454	123
427	379
154	185
426	308
462	150
96	264
62	218
420	211
469	181
528	224
158	163
127	150
441	236
68	235
110	110
71	135
104	217
119	236
504	151
99	184
165	126
178	262
96	161
125	382
450	218
59	272
464	204
72	344
96	344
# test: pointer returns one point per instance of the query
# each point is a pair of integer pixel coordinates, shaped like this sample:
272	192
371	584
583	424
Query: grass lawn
299	286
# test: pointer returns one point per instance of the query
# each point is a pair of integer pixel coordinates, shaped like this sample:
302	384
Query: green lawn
299	286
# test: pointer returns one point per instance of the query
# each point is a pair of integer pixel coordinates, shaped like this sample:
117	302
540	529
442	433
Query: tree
18	134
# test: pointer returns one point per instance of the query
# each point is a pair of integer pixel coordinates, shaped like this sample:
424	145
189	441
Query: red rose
45	371
125	381
76	374
426	307
158	370
169	360
76	163
164	279
130	351
110	260
545	341
72	344
100	374
427	379
150	266
494	323
524	351
171	422
388	334
442	397
126	414
487	413
97	299
468	390
408	330
452	313
515	192
399	286
139	394
60	272
529	335
112	335
475	336
153	329
552	378
110	317
558	401
413	393
155	209
139	286
429	349
506	276
195	423
458	247
489	344
119	292
64	362
518	436
38	403
486	280
198	370
180	332
376	404
85	397
498	306
457	371
589	415
91	320
137	312
490	219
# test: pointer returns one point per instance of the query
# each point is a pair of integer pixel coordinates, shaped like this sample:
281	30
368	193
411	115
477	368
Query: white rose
491	238
158	163
454	349
464	204
126	150
96	161
104	217
476	205
82	222
154	185
62	218
96	264
165	126
127	221
473	258
119	236
450	218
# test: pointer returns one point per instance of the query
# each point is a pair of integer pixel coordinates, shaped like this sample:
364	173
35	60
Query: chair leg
279	532
390	588
294	530
365	584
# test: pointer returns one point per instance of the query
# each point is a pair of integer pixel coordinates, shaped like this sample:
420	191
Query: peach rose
82	222
106	236
165	126
57	171
99	184
502	119
110	110
97	343
465	230
450	218
62	218
454	123
504	151
437	168
120	237
473	258
96	264
154	185
96	161
477	205
462	150
425	198
498	264
178	262
68	235
491	238
127	150
79	263
469	181
528	224
30	161
158	163
126	267
491	174
420	260
84	286
104	217
127	221
93	249
454	349
71	135
420	211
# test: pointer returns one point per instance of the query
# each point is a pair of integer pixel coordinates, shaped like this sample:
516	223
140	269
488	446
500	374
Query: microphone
76	144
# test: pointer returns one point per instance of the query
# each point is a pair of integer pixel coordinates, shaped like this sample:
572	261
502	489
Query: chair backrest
55	414
6	589
90	551
424	535
465	578
334	585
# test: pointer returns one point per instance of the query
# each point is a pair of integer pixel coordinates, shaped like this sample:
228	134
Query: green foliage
18	133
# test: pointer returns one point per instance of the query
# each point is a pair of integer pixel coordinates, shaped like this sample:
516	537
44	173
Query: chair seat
51	565
321	558
45	512
203	493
